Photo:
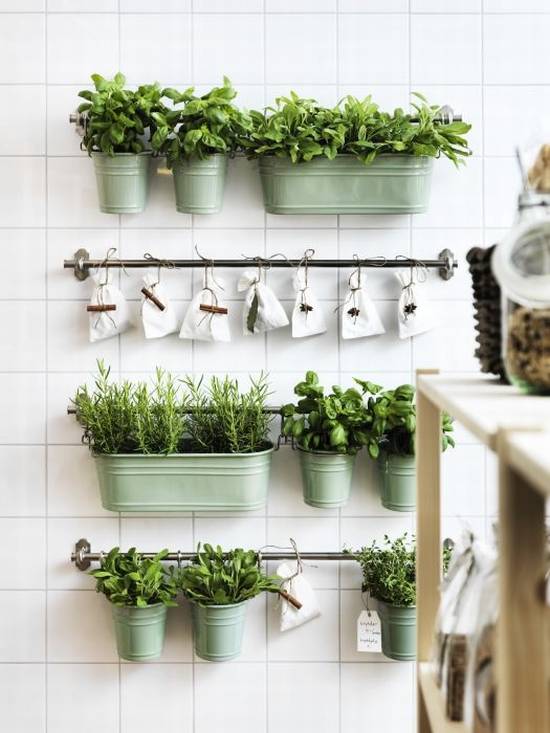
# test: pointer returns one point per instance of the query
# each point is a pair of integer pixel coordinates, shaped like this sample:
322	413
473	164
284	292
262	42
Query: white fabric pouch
359	314
203	325
298	587
108	323
262	311
307	316
414	312
157	322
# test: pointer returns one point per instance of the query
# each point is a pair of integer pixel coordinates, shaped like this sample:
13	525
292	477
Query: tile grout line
46	378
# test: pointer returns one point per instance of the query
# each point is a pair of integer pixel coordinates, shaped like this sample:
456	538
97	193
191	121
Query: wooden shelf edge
434	704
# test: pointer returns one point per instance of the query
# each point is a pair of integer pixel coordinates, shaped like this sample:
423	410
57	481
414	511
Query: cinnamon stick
213	309
293	601
101	308
153	298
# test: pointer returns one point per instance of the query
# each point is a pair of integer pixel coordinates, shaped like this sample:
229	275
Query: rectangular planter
392	184
184	482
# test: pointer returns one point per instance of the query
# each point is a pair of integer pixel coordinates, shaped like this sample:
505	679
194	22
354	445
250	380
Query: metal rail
83	556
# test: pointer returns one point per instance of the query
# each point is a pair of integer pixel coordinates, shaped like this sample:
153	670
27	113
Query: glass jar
521	265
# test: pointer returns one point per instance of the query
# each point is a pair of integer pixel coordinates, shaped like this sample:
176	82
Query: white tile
80	628
230	45
513	116
23	697
433	350
27	137
25	250
385	682
377	244
83	6
23	618
437	49
234	6
162	6
72	194
365	495
22	189
227	681
171	683
152	534
24	486
316	641
436	6
491	482
300	6
22	398
70	684
309	692
170	352
25	570
387	97
161	208
326	94
463	480
243	203
164	244
155	48
304	221
502	186
363	55
69	347
22	336
62	535
282	349
23	48
62	137
311	534
62	245
386	351
22	6
80	45
515	6
245	532
178	644
63	428
310	49
456	196
428	243
513	46
73	489
373	6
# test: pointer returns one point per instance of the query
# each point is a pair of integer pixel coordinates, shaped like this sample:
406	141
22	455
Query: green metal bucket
391	184
122	182
326	478
139	631
218	630
199	184
397	481
398	631
184	482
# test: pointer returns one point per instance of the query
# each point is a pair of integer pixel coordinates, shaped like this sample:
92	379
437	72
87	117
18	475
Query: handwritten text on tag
369	632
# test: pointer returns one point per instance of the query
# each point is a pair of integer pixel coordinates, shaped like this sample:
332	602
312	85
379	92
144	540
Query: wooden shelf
484	405
434	703
529	454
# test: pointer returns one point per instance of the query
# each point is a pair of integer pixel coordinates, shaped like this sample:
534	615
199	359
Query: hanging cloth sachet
262	311
307	317
359	314
414	312
299	587
157	313
108	310
206	318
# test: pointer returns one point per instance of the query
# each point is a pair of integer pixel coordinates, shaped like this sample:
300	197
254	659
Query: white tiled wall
58	667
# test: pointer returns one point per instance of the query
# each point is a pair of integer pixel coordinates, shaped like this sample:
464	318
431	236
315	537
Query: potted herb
219	584
392	427
328	431
349	159
118	128
389	576
177	446
197	140
139	590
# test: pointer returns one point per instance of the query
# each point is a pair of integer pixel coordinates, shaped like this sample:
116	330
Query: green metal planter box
392	184
218	630
139	631
397	479
199	184
184	482
326	478
398	631
122	182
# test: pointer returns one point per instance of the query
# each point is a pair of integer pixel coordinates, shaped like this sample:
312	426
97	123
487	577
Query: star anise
353	312
409	309
305	308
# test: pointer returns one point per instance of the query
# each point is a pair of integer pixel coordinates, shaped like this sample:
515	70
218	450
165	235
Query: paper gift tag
369	632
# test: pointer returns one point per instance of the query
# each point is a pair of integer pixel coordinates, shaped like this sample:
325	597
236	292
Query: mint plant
119	120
